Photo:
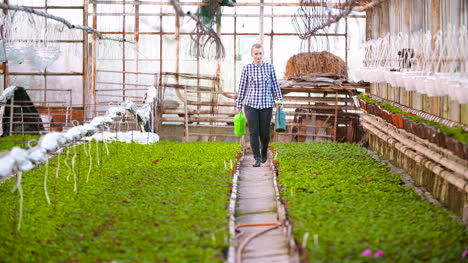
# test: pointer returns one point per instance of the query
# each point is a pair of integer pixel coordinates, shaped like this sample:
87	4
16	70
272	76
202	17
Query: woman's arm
275	86
243	84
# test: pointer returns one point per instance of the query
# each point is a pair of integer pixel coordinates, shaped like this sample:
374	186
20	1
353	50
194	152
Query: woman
258	90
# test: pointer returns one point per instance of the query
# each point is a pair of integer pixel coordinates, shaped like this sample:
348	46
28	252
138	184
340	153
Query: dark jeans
259	126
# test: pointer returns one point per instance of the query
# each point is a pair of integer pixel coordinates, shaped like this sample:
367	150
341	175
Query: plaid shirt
258	87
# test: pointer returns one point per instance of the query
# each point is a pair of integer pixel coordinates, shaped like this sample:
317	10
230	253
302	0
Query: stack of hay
315	69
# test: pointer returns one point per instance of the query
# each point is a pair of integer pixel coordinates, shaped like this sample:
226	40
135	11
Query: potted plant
363	104
408	124
397	120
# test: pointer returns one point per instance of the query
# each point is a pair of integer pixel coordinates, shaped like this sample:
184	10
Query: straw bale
305	64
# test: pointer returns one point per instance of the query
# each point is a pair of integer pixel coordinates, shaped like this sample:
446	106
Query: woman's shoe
264	159
257	162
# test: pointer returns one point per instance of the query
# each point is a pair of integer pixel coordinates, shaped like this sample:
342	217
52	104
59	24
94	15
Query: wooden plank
213	134
108	2
218	112
210	91
235	51
406	13
93	58
369	26
463	114
313	99
56	7
304	134
123	84
212	126
127	72
198	119
223	34
340	89
59	114
85	51
346	41
124	63
209	103
318	107
335	125
186	119
137	25
43	74
384	26
434	16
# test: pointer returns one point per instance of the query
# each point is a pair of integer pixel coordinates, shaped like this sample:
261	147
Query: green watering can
239	124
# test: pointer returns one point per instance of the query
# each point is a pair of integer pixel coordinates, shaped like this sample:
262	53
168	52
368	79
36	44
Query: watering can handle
278	104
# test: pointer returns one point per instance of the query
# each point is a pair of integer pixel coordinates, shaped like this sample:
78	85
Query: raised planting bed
165	202
347	203
430	130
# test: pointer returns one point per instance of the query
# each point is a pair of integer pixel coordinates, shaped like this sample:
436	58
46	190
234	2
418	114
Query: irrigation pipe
254	235
456	167
406	150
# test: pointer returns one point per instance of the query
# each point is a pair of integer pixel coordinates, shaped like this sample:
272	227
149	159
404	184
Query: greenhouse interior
237	131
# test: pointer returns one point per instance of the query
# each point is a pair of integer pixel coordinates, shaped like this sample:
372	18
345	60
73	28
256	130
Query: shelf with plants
453	138
342	202
165	202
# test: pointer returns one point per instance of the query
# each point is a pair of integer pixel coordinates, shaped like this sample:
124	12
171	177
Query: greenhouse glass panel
74	16
149	66
168	24
69	60
283	25
36	3
107	23
149	24
227	24
28	82
247	25
75	84
149	46
65	2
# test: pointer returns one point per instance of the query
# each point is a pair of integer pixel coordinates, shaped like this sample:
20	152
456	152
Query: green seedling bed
341	202
165	202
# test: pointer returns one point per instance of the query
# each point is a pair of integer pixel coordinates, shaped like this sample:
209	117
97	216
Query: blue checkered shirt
258	87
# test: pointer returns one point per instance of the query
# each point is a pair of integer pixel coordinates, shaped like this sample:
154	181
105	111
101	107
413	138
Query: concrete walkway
258	203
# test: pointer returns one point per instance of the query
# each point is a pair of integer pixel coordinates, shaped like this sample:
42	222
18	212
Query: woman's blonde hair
256	45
